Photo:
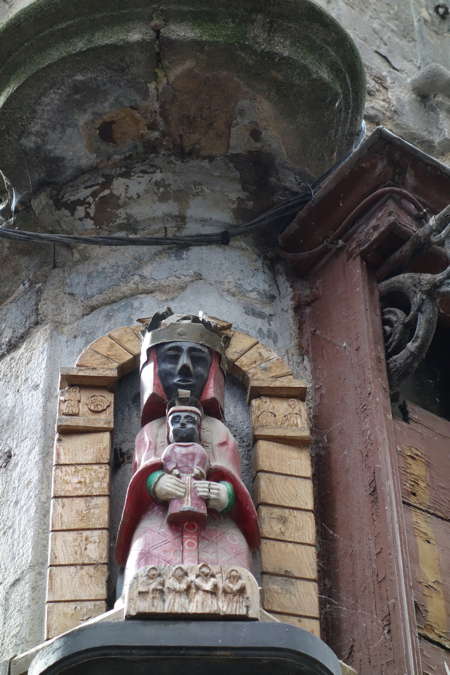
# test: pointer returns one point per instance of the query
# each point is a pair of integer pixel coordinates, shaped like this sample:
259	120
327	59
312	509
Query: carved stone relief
193	589
278	412
70	398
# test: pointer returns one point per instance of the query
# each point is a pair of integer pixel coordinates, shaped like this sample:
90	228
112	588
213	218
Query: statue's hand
169	487
215	494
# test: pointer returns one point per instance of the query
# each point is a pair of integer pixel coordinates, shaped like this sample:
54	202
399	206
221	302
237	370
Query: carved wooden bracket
410	301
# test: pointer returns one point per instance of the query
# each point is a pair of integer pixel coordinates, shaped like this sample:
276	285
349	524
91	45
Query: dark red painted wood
365	580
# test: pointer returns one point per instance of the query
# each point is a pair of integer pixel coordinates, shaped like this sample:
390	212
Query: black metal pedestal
187	648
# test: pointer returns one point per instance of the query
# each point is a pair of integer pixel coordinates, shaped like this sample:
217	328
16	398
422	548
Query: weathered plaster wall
70	297
57	300
397	41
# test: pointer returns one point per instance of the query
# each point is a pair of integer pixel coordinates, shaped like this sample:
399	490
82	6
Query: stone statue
182	359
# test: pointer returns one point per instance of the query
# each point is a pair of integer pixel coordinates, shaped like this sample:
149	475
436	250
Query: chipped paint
435	612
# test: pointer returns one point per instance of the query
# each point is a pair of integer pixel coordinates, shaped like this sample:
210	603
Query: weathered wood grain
287	559
286	387
434	658
424	460
106	377
79	547
109	348
239	345
282	458
429	549
287	524
77	582
84	448
127	338
92	359
79	513
275	490
78	480
62	616
66	423
290	596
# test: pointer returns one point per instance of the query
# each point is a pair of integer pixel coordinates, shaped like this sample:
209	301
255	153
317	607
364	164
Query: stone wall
397	41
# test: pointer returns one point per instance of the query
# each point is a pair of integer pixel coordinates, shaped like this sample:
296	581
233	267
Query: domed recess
84	84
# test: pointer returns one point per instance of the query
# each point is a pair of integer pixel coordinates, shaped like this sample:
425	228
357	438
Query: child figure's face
184	427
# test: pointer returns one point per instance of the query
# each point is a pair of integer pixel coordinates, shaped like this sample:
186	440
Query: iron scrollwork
410	301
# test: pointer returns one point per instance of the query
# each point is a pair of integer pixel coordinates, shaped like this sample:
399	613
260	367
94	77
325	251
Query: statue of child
186	459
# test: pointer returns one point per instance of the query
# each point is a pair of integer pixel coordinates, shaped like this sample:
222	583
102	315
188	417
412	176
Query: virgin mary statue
183	356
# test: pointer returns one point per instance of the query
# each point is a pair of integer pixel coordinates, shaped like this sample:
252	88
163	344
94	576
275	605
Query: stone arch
79	530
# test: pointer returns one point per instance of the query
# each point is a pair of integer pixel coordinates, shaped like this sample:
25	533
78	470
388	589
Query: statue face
179	573
183	365
184	427
204	570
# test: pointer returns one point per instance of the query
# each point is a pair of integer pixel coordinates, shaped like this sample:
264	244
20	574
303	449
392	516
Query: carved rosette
193	590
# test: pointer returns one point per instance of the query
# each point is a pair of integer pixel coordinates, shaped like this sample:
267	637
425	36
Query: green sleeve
230	494
152	479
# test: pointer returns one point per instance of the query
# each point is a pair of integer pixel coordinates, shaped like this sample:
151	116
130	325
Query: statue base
193	591
190	647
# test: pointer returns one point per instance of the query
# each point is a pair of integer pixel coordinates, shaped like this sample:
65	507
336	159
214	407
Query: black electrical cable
275	215
289	208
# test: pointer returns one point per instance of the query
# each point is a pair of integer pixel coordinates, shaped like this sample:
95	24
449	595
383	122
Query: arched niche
81	498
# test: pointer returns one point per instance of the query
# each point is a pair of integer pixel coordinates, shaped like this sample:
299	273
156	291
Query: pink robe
146	538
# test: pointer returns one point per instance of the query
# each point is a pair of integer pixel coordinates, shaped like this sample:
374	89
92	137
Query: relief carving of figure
293	418
265	416
234	594
151	591
70	398
177	590
205	589
182	359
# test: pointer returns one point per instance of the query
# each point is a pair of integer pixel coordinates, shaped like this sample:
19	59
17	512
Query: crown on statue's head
166	327
169	327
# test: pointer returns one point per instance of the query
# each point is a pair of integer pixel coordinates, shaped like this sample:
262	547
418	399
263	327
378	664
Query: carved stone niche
193	590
